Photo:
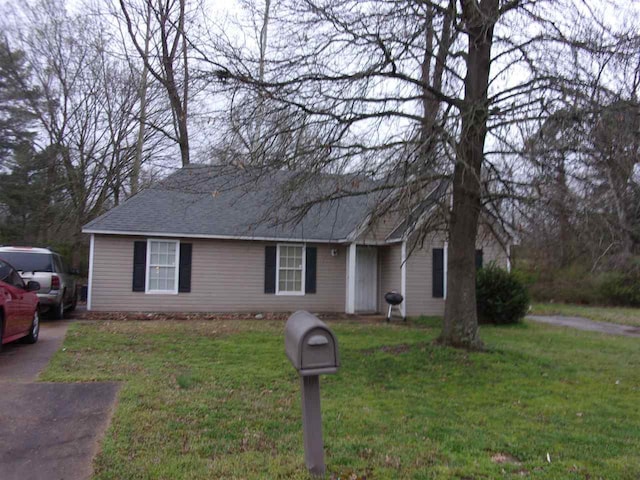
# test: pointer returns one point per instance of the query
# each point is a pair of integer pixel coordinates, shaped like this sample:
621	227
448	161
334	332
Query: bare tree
585	174
411	93
88	114
585	156
137	161
167	60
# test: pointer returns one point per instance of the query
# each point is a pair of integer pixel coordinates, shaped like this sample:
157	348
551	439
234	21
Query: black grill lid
393	298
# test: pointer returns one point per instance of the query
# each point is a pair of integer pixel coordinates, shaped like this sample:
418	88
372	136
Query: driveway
48	431
580	323
20	362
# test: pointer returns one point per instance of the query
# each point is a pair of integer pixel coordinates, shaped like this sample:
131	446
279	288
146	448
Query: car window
5	271
29	262
10	276
15	279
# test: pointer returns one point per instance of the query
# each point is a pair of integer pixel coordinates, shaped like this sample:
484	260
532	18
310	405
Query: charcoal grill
394	299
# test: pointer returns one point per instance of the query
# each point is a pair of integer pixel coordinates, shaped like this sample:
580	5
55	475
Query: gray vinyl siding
227	276
420	299
390	269
380	229
493	252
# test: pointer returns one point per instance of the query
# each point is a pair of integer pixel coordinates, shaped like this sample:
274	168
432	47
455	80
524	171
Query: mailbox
313	350
310	345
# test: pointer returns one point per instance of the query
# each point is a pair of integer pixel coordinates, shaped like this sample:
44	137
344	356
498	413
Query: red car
18	307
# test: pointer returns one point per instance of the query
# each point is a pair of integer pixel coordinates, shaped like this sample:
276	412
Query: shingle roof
423	208
234	202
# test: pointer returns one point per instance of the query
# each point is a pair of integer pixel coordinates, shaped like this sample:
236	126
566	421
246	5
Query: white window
162	266
290	271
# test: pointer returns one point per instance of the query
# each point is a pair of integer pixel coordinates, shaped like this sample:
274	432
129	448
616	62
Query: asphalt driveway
48	431
20	362
580	323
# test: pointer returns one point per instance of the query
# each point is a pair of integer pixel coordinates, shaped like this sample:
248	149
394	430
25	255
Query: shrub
501	297
622	288
525	276
615	281
571	284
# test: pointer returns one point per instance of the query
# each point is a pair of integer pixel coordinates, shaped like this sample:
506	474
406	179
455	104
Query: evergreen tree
16	99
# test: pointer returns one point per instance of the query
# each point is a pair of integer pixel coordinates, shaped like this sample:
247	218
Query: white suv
57	283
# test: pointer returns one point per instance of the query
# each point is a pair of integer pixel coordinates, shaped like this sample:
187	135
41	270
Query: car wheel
35	329
58	310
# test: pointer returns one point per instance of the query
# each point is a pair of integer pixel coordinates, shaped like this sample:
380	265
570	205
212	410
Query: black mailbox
310	345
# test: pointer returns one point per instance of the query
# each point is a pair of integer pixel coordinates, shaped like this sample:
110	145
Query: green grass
620	315
209	400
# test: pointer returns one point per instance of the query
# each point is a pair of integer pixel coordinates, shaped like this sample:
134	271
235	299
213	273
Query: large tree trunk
460	327
181	121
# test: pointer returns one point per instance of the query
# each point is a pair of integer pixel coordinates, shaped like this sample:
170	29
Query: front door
366	279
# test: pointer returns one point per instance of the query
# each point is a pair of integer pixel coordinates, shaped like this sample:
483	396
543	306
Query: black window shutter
184	274
478	259
310	270
139	265
270	269
437	269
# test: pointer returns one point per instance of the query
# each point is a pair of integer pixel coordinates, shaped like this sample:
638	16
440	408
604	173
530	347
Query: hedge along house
200	241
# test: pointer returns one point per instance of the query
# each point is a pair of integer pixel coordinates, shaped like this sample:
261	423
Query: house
199	242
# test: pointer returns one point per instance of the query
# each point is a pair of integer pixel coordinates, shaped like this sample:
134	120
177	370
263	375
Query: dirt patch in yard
502	458
189	316
351	475
393	349
183	316
139	331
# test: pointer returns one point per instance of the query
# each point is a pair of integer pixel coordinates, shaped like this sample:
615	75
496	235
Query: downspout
445	261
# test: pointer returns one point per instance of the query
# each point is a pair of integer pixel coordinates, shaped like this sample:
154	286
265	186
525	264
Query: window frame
303	270
148	267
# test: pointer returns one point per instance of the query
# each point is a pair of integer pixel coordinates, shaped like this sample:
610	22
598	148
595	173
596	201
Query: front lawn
205	400
619	315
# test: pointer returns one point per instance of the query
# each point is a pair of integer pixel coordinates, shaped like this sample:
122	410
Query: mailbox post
312	349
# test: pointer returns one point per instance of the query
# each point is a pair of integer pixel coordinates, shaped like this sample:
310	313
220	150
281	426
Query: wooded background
525	110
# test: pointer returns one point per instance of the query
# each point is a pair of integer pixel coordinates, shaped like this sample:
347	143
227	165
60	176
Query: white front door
366	279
